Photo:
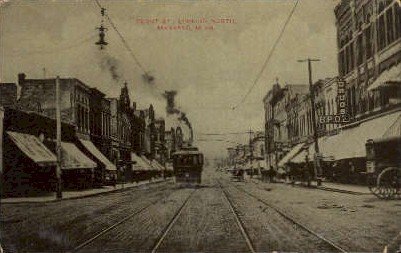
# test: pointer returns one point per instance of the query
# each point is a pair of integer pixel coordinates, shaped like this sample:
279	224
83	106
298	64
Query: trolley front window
188	160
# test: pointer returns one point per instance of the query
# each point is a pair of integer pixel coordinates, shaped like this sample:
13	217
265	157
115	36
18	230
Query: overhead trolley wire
122	39
214	134
259	75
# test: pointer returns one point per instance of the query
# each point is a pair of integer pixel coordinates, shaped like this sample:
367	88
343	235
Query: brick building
369	54
39	95
76	102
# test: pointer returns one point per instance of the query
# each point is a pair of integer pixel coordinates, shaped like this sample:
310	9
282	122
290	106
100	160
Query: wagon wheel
387	185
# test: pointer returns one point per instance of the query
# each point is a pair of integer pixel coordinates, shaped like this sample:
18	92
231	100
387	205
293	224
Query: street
218	216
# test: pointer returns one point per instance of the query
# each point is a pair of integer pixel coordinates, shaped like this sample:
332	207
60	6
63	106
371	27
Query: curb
331	189
324	188
341	191
84	196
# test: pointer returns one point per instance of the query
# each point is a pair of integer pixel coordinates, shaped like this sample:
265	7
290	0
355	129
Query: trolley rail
292	220
171	223
239	222
108	229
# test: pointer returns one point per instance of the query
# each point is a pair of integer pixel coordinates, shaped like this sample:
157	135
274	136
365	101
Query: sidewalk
346	188
51	197
335	187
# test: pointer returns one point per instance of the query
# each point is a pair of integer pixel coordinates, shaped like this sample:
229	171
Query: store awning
387	77
169	167
73	158
299	158
96	152
295	150
350	143
32	147
157	165
147	163
139	164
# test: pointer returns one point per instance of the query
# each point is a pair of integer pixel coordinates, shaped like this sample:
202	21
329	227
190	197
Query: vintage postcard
200	126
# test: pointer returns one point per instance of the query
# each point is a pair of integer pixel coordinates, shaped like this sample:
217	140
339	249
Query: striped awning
290	154
350	143
140	164
147	162
388	77
73	158
96	152
157	166
169	167
32	147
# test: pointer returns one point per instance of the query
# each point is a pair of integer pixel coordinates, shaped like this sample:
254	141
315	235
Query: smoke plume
171	109
112	65
149	79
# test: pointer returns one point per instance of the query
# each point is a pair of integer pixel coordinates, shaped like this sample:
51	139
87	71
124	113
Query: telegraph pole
58	139
315	137
250	149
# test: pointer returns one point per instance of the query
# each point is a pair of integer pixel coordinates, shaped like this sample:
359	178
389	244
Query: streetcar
188	165
383	166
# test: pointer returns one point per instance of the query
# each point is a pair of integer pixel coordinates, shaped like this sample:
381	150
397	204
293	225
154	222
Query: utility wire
218	134
268	56
122	39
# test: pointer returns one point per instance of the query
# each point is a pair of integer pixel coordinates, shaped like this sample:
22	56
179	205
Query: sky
211	70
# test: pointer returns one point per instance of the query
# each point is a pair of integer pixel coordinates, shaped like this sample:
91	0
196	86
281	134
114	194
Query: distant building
138	131
286	114
160	141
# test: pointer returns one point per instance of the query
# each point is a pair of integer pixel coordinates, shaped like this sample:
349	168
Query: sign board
333	119
342	116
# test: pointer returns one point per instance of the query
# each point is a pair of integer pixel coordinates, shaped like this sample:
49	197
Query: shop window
360	49
347	60
397	19
368	41
381	33
390	26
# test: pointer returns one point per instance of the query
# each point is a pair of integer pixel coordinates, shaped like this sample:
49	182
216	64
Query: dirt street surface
219	216
361	223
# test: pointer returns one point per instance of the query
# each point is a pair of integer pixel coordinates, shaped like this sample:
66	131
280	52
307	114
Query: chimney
21	79
134	106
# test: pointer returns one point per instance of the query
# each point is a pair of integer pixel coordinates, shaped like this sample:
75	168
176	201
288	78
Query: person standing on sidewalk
307	170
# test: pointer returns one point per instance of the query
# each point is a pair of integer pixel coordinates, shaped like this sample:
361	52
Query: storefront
77	169
139	167
29	166
343	155
106	171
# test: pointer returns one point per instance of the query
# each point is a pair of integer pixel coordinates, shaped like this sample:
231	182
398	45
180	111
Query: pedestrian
271	174
307	170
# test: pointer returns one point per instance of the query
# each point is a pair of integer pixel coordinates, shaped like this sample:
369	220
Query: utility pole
250	149
58	139
317	168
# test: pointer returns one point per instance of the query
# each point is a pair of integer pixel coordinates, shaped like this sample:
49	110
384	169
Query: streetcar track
239	222
292	220
109	228
171	223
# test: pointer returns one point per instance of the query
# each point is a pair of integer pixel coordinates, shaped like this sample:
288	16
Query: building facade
100	122
369	54
39	95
